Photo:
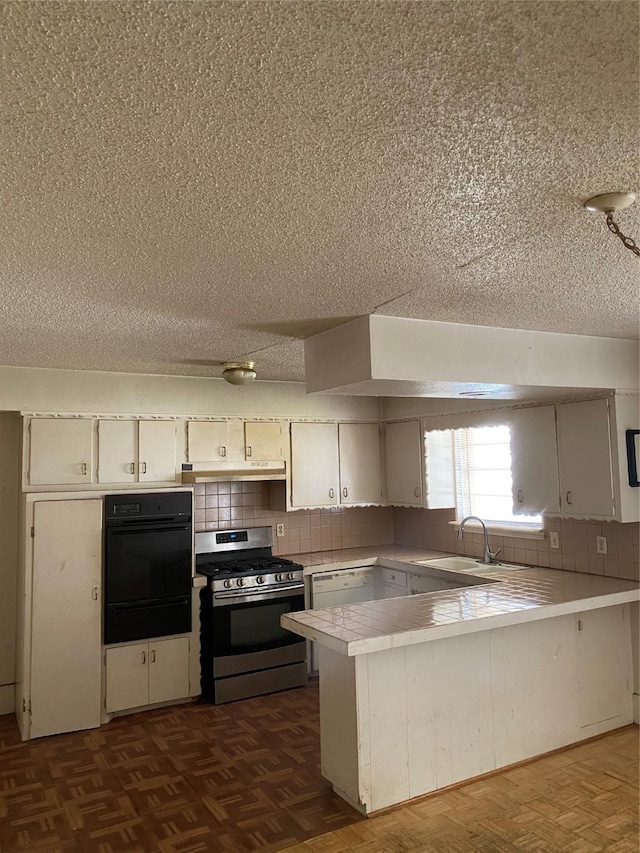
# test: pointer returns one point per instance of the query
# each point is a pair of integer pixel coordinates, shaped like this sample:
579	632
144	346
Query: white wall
10	432
35	389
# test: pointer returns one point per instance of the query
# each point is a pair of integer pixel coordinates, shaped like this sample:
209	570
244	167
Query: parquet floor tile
245	778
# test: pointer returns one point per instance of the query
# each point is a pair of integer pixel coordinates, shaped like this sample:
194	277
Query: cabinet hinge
24	704
33	532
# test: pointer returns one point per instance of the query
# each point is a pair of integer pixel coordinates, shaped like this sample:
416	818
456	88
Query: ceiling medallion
238	372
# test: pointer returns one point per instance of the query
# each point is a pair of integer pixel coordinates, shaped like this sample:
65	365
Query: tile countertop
524	596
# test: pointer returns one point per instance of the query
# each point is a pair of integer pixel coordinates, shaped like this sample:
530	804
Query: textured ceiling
185	183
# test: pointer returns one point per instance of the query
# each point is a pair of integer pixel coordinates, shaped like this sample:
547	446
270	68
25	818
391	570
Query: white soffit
399	357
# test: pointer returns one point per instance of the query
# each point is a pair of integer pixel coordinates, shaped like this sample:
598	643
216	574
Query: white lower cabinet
146	673
602	639
63	607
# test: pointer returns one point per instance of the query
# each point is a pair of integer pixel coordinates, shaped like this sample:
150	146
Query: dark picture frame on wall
633	454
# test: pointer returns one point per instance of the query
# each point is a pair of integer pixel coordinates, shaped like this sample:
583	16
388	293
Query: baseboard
7	698
636	708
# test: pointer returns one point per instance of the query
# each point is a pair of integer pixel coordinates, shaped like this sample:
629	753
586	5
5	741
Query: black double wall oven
147	565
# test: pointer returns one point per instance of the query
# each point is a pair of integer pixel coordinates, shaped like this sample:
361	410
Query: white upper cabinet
117	451
315	477
136	451
234	441
584	459
263	441
60	451
209	441
534	464
404	454
360	470
156	451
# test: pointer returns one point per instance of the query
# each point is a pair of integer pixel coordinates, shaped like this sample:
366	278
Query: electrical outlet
601	544
279	529
554	539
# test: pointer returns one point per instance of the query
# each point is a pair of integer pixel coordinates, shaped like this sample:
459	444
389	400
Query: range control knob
280	576
227	584
260	579
240	581
291	576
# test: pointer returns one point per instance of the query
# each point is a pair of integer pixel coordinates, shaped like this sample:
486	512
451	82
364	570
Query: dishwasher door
339	589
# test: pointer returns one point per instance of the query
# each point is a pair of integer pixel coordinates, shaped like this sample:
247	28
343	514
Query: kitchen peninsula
419	693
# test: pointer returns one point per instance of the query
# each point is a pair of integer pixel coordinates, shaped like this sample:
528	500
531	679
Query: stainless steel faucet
488	555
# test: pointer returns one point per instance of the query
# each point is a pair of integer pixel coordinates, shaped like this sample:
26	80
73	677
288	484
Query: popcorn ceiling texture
190	182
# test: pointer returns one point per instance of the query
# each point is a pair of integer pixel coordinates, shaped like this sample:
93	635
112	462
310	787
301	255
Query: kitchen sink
468	564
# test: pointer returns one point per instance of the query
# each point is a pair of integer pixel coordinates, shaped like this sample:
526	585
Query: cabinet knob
94	593
568	496
332	493
416	491
132	466
222	450
153	655
83	467
249	450
520	496
345	492
143	467
144	658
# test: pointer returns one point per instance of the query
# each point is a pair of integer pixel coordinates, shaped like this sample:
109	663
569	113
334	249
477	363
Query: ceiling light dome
238	372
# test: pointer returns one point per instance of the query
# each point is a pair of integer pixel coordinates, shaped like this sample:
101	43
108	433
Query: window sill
517	531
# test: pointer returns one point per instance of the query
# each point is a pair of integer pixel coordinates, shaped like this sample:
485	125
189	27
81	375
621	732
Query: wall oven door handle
145	531
222	598
149	605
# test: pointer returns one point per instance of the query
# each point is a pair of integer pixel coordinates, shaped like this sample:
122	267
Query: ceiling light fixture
609	203
238	372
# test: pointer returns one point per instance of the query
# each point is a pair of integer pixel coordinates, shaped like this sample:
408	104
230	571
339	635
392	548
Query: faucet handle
493	554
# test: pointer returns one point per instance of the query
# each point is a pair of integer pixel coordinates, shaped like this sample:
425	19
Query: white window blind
483	476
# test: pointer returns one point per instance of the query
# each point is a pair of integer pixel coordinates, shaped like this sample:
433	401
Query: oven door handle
259	595
135	531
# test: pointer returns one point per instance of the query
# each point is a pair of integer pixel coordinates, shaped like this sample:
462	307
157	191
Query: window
482	462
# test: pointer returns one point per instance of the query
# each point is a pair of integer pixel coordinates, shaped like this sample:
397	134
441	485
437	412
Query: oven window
258	626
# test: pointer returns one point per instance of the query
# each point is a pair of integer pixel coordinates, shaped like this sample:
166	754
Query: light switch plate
554	539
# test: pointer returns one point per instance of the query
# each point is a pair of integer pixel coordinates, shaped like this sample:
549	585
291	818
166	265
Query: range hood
219	471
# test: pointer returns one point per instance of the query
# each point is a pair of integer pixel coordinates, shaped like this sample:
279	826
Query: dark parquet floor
227	779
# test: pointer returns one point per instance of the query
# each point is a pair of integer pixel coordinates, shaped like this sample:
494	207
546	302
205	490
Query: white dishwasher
338	589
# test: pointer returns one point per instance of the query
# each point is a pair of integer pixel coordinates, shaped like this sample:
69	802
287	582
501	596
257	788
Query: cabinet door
168	669
404	448
117	443
314	464
60	451
156	451
263	441
604	662
127	677
534	460
360	474
65	616
584	459
207	441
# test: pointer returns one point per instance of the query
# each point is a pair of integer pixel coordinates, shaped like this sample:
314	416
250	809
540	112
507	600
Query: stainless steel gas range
243	649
